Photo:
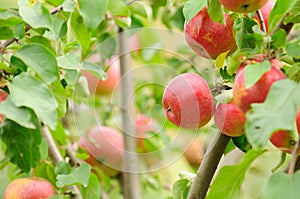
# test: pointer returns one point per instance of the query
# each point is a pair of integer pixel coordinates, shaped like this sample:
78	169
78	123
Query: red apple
188	102
208	38
100	87
3	96
25	188
230	119
284	141
243	5
195	153
243	97
105	148
265	11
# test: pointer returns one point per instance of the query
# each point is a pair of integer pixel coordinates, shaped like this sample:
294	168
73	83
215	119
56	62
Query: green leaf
9	18
228	182
60	95
179	188
59	134
32	93
281	8
55	2
69	61
19	31
45	170
95	69
120	13
279	109
242	143
41	60
293	48
92	12
253	72
215	11
21	115
93	190
44	149
278	39
58	28
22	144
68	5
82	35
282	185
62	167
293	73
6	33
78	175
294	14
192	7
37	16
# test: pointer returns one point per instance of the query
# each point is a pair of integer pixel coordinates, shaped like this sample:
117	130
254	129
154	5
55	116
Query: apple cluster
187	100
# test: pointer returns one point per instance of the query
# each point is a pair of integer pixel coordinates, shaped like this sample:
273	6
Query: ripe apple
208	38
243	97
25	188
104	87
3	96
243	5
265	11
105	148
143	125
195	153
230	119
284	141
188	102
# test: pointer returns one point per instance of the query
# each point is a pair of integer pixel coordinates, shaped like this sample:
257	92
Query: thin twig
208	166
27	28
294	159
132	188
261	20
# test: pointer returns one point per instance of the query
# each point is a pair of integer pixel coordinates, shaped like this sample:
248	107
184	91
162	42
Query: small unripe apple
104	87
284	141
26	188
265	11
188	102
3	96
195	153
230	119
243	6
208	38
243	97
105	148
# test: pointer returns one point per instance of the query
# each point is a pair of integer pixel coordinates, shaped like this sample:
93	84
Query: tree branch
55	155
27	28
208	167
132	188
287	27
261	20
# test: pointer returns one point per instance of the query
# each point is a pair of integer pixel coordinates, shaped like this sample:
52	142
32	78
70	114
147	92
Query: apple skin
243	6
265	11
230	119
195	153
208	38
105	148
3	96
100	87
25	188
188	102
284	141
243	97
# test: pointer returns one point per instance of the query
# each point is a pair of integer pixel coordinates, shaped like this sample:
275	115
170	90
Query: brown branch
27	28
261	20
293	162
55	155
131	181
208	167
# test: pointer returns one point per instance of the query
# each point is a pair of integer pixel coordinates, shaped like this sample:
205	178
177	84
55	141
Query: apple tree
101	99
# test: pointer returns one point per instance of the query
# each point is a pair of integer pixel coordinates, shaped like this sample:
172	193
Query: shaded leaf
120	13
9	18
253	72
93	190
192	7
215	11
179	188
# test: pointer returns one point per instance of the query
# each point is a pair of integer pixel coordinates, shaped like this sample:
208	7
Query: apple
243	97
243	6
195	153
230	119
104	87
265	11
283	140
26	188
105	148
3	96
208	38
188	102
143	125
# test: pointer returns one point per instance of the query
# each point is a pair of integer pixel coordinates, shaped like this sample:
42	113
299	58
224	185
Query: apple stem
294	159
261	21
55	155
131	181
208	166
